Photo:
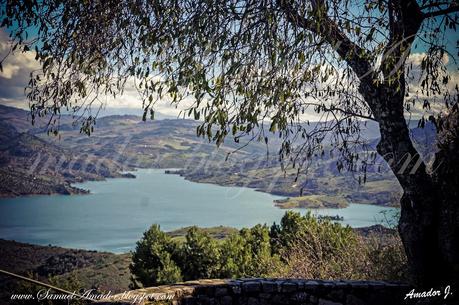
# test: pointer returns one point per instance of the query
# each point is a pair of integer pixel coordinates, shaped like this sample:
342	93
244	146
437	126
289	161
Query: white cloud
9	70
16	73
416	92
132	98
17	68
417	58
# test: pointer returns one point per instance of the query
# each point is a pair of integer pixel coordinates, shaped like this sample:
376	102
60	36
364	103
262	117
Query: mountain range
33	162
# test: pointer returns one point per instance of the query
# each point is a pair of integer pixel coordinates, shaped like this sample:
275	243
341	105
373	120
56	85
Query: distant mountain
124	141
32	162
138	112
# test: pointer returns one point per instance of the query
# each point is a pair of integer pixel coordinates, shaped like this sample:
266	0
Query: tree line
299	246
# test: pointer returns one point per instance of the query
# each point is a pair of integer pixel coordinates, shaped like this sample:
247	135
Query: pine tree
152	262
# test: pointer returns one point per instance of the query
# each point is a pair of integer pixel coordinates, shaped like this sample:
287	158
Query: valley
33	162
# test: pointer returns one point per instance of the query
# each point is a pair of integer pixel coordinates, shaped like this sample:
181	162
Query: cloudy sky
16	75
17	68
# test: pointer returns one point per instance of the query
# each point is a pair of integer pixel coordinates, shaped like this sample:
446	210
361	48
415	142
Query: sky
17	68
16	75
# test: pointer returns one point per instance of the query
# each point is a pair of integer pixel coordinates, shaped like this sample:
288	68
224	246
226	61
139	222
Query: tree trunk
428	222
446	177
418	224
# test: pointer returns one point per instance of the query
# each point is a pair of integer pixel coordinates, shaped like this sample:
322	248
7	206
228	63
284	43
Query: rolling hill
124	142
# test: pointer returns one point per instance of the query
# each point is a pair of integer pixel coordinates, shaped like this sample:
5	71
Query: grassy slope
312	201
92	269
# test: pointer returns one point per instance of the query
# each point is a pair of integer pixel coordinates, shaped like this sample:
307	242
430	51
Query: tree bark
429	221
446	177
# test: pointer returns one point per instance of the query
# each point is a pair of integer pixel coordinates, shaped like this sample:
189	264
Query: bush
299	247
387	259
322	249
314	248
199	255
248	253
152	262
159	260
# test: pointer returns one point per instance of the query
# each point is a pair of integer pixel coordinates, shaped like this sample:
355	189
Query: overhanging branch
453	8
355	56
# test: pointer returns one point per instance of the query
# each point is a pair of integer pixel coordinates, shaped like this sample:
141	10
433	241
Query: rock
269	286
300	297
253	301
289	287
221	291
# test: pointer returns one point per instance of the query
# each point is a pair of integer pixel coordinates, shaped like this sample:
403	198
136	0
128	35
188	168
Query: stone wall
267	291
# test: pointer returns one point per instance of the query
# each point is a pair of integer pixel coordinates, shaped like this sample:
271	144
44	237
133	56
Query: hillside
30	165
102	270
123	142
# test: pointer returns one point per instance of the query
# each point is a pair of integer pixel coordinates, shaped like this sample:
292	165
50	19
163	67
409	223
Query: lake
117	212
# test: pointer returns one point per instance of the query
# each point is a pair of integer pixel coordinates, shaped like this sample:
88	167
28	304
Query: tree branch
405	19
435	4
454	7
322	25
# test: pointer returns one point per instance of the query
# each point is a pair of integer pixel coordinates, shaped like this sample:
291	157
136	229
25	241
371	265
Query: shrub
387	259
199	255
314	248
299	247
152	262
322	249
248	253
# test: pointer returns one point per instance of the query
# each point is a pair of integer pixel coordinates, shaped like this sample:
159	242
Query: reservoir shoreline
117	211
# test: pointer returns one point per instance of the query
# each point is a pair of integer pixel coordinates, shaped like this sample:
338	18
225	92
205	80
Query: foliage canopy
300	246
242	67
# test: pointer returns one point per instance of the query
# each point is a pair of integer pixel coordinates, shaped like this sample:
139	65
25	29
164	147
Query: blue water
117	212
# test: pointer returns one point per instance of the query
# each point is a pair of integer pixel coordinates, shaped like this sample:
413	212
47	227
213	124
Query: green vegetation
65	268
312	202
199	255
152	262
248	253
219	233
245	253
300	246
